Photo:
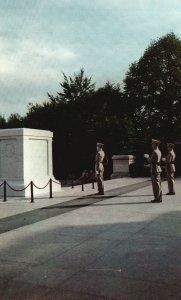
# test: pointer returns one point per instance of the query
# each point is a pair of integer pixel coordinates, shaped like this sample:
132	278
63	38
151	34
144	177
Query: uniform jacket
170	159
155	161
99	161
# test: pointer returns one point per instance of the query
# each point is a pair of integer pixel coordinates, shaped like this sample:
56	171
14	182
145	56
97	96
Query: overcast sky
41	38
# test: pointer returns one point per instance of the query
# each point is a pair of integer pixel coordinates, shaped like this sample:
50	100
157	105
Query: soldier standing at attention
99	168
170	167
156	171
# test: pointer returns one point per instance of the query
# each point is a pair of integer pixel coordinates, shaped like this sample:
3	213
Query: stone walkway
81	246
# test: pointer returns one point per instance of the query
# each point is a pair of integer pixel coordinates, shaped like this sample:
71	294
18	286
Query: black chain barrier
19	190
55	181
5	184
31	184
1	184
41	188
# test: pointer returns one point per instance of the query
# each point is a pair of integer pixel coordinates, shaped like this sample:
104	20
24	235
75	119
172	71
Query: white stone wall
11	163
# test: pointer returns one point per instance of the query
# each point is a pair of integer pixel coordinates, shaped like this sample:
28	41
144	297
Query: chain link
17	190
2	184
55	182
41	188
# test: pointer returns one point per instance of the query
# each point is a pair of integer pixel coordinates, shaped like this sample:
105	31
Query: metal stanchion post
5	199
72	181
32	196
82	184
93	181
51	194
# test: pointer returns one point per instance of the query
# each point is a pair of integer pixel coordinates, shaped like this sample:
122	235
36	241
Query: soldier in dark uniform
156	171
99	168
170	168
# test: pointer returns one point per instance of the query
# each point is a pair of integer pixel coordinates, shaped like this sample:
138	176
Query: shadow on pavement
40	214
125	260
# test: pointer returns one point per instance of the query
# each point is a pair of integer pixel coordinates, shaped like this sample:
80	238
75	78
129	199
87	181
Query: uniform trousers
171	182
100	183
156	185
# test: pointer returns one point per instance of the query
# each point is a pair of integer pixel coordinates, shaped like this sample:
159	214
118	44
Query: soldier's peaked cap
100	145
155	141
170	144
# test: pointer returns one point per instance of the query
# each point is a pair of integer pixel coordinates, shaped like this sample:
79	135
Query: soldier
99	168
156	171
170	167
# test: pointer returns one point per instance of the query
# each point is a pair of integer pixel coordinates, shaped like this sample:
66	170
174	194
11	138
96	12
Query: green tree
78	87
2	122
14	121
41	116
78	125
153	89
107	116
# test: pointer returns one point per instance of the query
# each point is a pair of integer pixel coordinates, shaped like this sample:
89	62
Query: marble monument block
26	155
121	165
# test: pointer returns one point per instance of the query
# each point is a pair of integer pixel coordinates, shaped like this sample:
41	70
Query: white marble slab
26	155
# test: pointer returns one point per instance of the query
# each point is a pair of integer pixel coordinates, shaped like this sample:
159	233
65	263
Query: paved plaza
78	246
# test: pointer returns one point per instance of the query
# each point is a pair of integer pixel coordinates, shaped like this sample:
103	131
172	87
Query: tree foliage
78	124
3	122
14	121
153	89
75	88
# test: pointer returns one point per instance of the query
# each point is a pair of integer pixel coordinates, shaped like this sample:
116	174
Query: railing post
72	181
93	181
51	194
82	184
5	199
31	189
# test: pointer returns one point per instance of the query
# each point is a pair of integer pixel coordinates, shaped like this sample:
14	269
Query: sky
40	39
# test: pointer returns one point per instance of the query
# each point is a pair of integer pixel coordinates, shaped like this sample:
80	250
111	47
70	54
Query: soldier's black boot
158	200
172	193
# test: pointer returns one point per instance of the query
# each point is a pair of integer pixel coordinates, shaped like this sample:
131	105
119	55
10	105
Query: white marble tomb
26	155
